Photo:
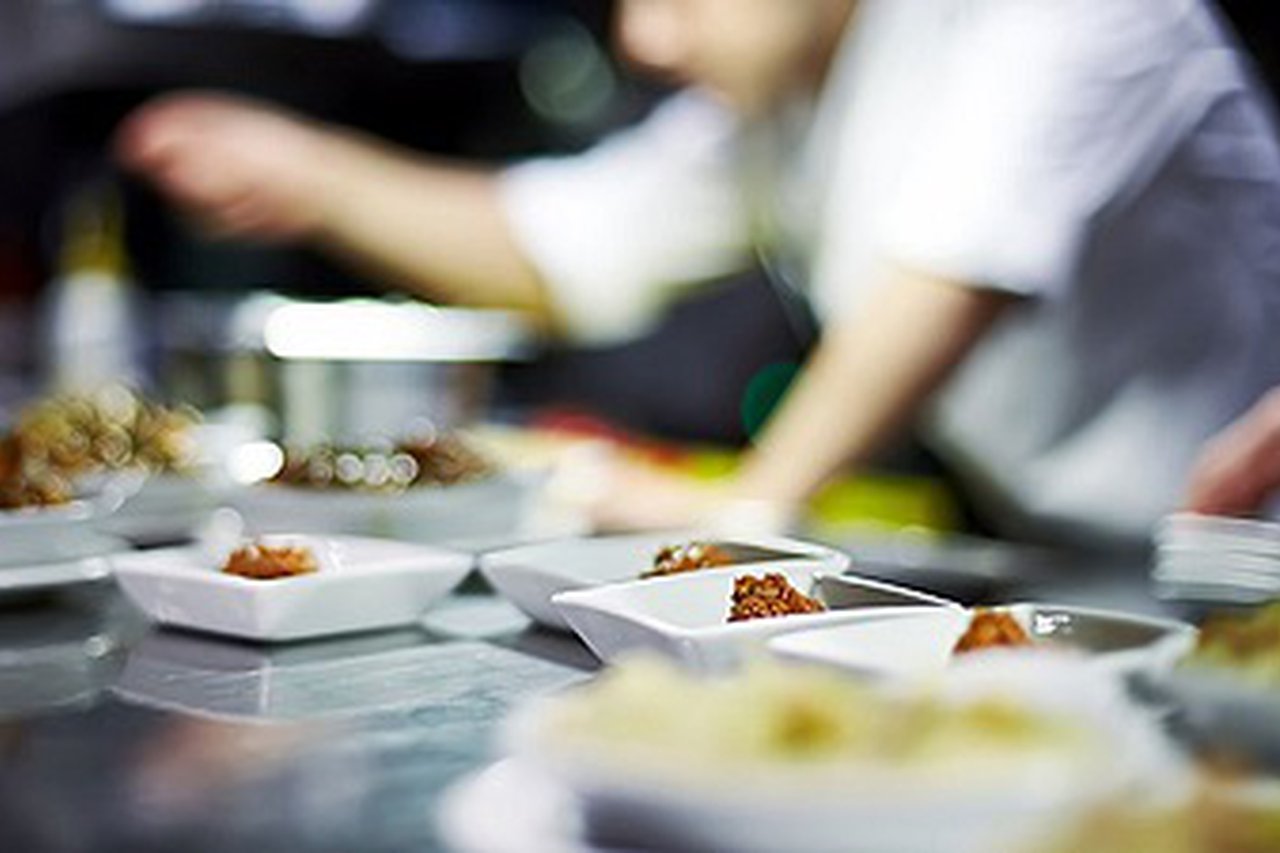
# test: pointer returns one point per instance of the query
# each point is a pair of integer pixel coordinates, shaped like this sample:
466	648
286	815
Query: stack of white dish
1217	559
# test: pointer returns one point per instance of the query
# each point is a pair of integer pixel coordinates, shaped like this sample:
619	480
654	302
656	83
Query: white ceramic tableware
363	584
530	575
967	804
684	617
921	643
1217	559
487	510
167	508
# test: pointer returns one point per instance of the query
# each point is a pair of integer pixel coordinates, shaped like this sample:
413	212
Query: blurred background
192	320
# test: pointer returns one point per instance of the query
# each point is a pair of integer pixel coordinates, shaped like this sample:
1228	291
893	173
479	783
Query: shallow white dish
684	617
21	580
955	804
489	510
51	534
370	584
167	508
920	643
530	575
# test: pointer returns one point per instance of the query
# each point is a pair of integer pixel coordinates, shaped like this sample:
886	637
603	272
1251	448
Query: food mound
442	461
111	430
62	438
651	716
678	559
1248	645
267	562
992	629
768	596
23	485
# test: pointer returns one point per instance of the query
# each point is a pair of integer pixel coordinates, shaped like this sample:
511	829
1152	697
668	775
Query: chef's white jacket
1113	161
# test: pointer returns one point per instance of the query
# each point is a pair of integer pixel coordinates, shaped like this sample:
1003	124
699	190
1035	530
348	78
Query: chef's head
748	53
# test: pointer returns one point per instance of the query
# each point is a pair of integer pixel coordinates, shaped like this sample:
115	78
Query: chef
1046	233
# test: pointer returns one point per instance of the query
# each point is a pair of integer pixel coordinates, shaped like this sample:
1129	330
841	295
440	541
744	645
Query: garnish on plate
992	629
391	468
769	596
690	557
257	561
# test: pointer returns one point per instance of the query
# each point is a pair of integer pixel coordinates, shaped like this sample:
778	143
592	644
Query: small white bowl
920	644
362	584
684	617
530	575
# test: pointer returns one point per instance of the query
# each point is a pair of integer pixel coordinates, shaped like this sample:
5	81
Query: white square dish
530	575
369	584
684	617
921	643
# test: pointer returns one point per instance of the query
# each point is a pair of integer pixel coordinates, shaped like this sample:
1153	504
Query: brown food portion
24	485
992	629
767	597
443	461
266	562
678	559
111	430
61	438
1247	644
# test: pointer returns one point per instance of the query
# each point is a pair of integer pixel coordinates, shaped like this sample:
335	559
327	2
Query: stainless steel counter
117	736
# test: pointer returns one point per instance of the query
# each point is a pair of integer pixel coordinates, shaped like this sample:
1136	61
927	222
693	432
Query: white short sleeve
615	231
1050	112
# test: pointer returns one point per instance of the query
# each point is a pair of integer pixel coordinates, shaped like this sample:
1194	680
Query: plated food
794	758
529	576
689	557
113	447
359	584
111	430
929	641
686	617
444	460
435	491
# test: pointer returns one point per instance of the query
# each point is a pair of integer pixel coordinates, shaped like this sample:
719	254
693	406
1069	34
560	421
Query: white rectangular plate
373	584
920	643
684	617
530	575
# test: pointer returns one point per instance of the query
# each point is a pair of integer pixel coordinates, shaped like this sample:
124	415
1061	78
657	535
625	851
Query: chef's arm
870	375
249	170
431	226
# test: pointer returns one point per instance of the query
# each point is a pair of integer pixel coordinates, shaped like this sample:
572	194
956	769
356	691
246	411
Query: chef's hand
638	497
241	168
1238	471
596	490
